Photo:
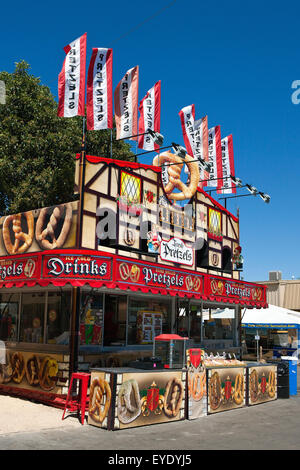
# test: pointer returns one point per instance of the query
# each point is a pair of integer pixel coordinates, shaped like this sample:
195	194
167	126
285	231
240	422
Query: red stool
80	402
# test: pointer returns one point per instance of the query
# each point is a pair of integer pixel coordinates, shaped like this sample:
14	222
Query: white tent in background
267	317
277	319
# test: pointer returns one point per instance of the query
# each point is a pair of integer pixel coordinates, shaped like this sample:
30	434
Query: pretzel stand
73	300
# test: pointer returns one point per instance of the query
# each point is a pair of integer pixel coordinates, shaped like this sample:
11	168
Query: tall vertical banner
71	80
215	157
187	119
201	147
126	105
149	117
99	90
228	186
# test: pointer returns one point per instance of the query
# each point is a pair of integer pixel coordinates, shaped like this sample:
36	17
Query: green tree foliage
37	148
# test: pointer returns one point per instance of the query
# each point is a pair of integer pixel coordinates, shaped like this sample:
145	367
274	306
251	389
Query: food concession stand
73	298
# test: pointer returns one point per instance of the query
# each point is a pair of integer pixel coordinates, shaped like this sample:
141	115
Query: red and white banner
187	119
228	186
149	117
99	90
201	147
71	80
215	157
126	105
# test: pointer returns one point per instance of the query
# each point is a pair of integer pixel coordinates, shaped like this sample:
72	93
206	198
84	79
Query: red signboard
135	273
236	290
19	268
77	267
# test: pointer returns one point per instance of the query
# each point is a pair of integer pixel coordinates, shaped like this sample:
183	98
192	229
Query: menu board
149	325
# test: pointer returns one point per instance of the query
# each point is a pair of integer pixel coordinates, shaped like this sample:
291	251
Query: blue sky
235	61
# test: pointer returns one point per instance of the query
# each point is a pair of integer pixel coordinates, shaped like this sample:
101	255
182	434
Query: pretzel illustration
253	386
18	367
199	386
173	397
32	370
47	373
126	272
215	391
193	283
135	273
100	399
129	404
174	171
271	384
47	237
6	373
16	246
238	394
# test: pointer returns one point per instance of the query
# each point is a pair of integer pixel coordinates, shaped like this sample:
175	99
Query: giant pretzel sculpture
174	171
46	236
16	246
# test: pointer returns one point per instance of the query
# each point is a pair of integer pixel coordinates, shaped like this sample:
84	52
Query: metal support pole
75	314
74	333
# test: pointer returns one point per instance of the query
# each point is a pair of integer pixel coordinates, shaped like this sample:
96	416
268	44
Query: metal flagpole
75	318
111	142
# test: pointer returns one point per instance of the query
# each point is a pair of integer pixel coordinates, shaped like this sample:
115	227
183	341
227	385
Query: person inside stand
110	326
53	331
36	330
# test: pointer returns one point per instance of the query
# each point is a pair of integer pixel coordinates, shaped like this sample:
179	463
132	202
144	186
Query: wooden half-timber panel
105	183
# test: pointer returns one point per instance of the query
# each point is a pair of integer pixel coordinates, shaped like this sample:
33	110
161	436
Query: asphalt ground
269	426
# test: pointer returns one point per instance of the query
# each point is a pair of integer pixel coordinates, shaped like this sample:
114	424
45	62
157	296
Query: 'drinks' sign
77	266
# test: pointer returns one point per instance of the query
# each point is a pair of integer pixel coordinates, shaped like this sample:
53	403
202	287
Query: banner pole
81	181
111	142
76	291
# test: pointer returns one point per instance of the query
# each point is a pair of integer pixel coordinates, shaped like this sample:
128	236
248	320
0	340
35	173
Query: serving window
41	317
206	327
218	323
91	318
9	312
32	317
147	318
115	320
58	317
